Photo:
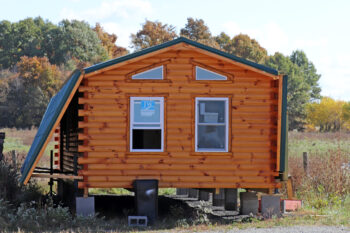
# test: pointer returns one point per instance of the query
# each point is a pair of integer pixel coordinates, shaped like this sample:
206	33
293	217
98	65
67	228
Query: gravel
295	229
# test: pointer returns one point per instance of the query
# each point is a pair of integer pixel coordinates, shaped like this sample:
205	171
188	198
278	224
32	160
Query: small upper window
155	73
203	74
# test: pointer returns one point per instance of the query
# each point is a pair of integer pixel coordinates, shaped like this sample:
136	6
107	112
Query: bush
10	188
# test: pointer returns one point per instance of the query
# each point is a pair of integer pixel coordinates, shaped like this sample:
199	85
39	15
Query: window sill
216	153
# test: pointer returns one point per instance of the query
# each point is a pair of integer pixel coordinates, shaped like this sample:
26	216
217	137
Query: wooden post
2	139
51	172
306	163
14	158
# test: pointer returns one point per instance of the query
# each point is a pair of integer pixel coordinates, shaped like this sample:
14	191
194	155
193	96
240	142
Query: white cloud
270	35
121	17
122	9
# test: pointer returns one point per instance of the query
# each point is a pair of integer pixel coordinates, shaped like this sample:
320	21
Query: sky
320	28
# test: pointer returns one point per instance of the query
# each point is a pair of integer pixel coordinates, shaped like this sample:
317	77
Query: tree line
36	56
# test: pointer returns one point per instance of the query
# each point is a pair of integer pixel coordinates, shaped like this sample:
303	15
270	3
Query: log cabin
182	113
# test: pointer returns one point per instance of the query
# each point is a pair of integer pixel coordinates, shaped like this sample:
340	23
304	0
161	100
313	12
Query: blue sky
320	28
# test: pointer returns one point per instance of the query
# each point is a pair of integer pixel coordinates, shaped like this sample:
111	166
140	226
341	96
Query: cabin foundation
231	199
85	206
146	199
249	203
219	198
203	195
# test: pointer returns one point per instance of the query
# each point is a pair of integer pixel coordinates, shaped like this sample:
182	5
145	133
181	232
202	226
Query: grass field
325	190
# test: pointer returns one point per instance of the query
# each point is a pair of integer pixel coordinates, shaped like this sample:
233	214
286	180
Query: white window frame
161	110
138	74
209	72
226	123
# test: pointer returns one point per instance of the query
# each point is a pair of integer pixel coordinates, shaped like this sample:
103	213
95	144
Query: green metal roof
174	42
52	112
57	103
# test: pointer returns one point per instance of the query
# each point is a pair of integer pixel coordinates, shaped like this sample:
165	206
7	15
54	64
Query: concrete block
291	205
231	199
203	195
219	199
249	203
270	206
193	193
85	206
137	221
181	191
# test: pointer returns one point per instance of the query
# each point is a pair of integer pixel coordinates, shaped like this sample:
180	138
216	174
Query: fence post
14	158
306	163
2	139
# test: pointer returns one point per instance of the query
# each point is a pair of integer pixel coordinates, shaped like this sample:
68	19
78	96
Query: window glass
203	74
211	124
146	123
146	111
155	73
211	137
211	111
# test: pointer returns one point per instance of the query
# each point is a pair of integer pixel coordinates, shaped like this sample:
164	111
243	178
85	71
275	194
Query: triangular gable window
204	74
155	73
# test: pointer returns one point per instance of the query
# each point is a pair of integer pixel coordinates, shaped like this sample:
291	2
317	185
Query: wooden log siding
253	103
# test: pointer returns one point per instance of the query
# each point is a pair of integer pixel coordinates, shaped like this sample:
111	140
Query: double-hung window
211	125
146	123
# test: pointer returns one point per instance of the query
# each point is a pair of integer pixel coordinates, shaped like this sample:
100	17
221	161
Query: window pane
211	137
211	111
146	139
147	111
156	73
203	74
146	126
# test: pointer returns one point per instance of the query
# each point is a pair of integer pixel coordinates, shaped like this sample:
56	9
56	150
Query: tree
326	114
242	46
298	90
108	42
196	30
24	38
29	92
309	72
151	34
74	39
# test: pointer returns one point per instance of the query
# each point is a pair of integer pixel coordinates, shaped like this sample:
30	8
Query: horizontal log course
163	155
180	185
225	173
183	167
216	179
105	87
170	161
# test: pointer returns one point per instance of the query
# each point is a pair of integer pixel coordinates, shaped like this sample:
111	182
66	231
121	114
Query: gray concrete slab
249	203
270	206
85	206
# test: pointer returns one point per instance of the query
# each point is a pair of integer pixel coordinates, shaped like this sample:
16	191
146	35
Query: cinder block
203	195
291	205
193	193
85	206
249	203
181	191
137	221
219	199
231	198
270	206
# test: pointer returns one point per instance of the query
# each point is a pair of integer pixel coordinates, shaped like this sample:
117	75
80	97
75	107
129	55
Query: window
211	124
204	74
146	123
155	73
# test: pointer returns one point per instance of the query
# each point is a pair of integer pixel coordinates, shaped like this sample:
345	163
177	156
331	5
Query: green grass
317	143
